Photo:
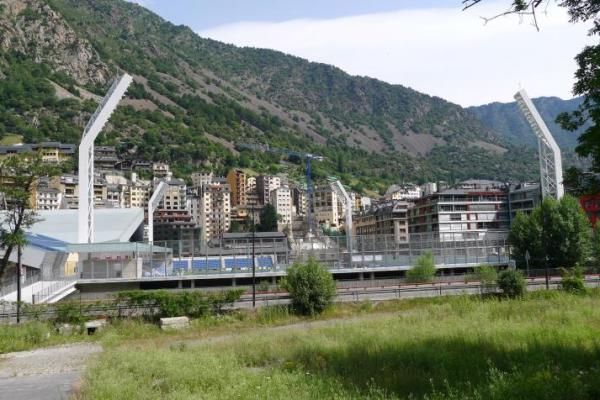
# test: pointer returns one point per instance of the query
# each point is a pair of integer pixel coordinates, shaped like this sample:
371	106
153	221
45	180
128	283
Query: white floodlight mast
154	201
86	156
551	174
339	189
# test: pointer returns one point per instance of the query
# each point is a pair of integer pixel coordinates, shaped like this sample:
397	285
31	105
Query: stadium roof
111	224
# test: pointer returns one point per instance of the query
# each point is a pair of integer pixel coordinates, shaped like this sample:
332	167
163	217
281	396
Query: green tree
268	219
423	270
311	287
525	236
18	177
595	247
558	231
512	283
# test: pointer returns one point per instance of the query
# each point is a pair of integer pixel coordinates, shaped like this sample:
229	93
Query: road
370	291
44	374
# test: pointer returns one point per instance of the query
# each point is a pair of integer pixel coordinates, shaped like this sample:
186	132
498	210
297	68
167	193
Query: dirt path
47	374
285	328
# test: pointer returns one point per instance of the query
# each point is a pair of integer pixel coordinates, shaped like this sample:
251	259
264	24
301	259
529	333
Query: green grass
11	139
544	347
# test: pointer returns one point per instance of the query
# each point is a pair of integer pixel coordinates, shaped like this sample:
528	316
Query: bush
310	286
487	277
572	280
512	283
69	313
176	304
424	269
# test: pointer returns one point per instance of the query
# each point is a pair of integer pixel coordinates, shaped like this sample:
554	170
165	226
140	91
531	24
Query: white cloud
443	52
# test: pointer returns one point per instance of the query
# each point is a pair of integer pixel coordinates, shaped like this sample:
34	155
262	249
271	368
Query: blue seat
179	265
265	262
238	263
203	264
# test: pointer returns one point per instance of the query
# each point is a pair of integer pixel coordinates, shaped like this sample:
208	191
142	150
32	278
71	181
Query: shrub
572	280
175	304
423	270
69	313
512	283
310	286
487	277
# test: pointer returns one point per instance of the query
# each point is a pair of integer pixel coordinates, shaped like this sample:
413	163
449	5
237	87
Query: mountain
508	122
193	99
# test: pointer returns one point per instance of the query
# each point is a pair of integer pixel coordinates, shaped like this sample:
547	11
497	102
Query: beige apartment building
211	209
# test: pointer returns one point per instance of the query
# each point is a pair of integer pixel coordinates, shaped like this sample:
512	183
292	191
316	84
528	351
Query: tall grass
544	347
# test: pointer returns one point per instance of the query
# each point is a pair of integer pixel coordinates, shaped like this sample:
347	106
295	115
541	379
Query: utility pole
19	266
253	257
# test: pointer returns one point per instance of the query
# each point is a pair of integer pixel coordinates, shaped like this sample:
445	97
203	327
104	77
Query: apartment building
300	201
51	152
68	185
326	210
175	197
524	197
161	171
211	209
105	158
116	195
264	185
281	199
47	198
236	178
138	193
403	192
388	218
176	225
200	179
465	212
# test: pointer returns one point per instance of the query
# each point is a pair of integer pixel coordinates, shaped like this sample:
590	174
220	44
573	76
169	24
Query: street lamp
19	267
253	257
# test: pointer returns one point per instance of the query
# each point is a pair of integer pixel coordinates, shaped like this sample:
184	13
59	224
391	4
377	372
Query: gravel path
44	374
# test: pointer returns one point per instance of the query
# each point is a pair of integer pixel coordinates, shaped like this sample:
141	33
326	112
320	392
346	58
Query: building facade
461	214
281	199
388	218
236	178
264	185
211	208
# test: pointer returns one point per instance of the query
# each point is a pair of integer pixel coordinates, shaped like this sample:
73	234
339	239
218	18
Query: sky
429	45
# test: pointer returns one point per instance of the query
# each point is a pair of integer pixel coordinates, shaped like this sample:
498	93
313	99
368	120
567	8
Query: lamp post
253	257
19	267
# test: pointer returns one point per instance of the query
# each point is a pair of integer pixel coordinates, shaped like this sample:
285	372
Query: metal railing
187	257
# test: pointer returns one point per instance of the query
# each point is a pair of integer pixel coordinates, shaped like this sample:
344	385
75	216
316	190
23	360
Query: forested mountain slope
194	98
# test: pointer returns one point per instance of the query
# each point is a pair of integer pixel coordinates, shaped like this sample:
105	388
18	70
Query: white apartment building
48	198
175	196
211	209
200	179
281	199
403	192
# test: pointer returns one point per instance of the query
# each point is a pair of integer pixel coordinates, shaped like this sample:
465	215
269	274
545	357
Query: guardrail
8	311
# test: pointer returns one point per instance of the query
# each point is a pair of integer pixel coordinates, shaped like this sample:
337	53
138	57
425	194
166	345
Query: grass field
10	140
544	347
